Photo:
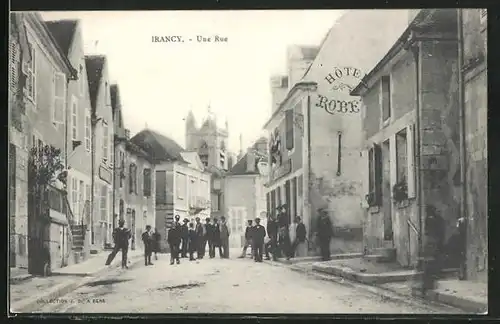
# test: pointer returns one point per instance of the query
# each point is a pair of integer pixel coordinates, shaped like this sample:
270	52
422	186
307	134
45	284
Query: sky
160	82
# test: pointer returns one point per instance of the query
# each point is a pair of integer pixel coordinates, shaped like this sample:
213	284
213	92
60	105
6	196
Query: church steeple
190	120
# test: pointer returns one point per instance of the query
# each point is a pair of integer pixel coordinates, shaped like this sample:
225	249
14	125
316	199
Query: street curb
318	258
17	279
466	305
30	305
376	290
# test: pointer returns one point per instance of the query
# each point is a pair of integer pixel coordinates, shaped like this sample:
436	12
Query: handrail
412	226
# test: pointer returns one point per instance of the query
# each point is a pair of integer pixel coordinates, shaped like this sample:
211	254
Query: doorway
386	194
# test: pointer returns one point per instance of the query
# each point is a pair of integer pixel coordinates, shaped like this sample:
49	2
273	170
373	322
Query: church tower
191	130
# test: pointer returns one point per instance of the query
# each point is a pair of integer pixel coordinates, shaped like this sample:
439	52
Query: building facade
412	138
39	74
211	143
244	192
68	34
474	35
102	135
182	185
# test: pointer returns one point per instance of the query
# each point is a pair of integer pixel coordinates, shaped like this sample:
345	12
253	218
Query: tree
45	168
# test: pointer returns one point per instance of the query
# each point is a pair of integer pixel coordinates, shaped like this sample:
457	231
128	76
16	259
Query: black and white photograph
248	162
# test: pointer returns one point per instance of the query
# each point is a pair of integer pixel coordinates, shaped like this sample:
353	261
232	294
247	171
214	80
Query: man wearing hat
258	235
200	248
272	232
121	236
147	239
185	238
209	237
174	240
325	233
248	240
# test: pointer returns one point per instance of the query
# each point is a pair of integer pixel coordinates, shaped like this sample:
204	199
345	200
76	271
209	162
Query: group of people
190	237
279	238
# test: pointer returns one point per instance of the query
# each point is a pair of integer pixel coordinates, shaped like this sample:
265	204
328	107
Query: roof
193	159
137	150
240	168
63	31
94	65
158	146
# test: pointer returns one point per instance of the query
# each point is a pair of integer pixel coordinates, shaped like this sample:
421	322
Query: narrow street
222	286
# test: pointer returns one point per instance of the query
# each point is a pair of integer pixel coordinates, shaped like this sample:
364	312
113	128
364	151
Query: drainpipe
94	121
306	173
463	161
415	49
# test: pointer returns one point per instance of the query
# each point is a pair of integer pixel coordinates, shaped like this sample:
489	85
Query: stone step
77	248
388	253
378	258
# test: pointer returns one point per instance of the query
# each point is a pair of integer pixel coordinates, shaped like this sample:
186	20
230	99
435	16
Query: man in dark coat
258	235
193	241
185	238
300	235
225	232
216	235
200	249
174	241
325	233
147	239
156	243
121	236
210	237
272	232
248	240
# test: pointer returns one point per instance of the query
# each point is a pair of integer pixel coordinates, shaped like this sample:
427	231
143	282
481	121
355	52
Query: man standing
199	238
121	236
210	237
225	232
147	239
300	235
193	241
248	240
325	233
156	243
292	234
258	234
216	237
174	240
272	232
185	238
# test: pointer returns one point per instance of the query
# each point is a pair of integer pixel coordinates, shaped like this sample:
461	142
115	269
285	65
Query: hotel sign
105	174
282	170
338	83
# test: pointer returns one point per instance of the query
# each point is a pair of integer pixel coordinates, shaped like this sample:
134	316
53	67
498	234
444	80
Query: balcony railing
198	204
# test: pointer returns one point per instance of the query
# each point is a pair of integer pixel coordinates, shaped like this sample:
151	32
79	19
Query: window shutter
59	97
377	155
14	57
410	142
365	166
393	163
289	129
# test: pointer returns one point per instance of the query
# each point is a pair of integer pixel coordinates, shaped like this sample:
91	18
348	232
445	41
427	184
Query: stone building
133	179
102	135
182	184
316	135
411	114
39	74
68	34
211	143
244	191
475	104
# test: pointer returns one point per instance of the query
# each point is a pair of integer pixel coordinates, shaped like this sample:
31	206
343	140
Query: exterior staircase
385	254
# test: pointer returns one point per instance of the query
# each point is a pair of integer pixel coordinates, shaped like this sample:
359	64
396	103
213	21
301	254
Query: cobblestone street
222	286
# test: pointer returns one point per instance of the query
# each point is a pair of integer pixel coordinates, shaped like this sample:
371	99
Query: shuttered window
29	69
375	173
105	142
14	57
147	182
60	99
289	129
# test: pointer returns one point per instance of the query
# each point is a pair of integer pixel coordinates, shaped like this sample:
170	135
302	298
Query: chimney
127	134
250	161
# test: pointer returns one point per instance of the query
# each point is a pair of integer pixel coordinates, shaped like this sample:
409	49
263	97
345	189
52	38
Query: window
122	168
147	182
401	157
192	191
215	201
29	69
74	195
386	97
105	141
82	80
180	185
74	118
289	129
59	95
161	187
132	181
375	173
103	203
88	143
14	57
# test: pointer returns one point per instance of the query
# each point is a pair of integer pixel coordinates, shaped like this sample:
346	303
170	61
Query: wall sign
338	84
105	174
282	170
